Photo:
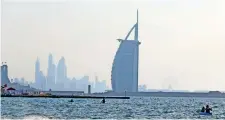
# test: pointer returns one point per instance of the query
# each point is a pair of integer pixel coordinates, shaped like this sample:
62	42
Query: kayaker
203	109
207	109
103	101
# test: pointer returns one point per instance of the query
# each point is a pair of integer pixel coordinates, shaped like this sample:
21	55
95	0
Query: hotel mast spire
136	28
137	16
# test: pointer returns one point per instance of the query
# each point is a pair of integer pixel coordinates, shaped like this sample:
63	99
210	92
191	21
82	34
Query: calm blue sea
134	108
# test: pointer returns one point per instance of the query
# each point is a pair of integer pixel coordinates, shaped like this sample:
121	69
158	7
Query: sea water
134	108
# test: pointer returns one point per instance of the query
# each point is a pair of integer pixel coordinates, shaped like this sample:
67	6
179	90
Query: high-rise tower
61	71
124	75
51	73
37	73
4	75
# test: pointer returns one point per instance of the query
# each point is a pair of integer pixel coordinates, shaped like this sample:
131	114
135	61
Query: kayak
204	113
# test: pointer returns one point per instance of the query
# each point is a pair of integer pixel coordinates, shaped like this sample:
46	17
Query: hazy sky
183	41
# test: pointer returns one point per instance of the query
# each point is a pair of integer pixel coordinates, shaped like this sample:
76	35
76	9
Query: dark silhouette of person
207	109
71	100
203	109
103	100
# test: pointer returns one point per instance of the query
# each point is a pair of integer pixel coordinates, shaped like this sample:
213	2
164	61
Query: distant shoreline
124	95
211	94
64	96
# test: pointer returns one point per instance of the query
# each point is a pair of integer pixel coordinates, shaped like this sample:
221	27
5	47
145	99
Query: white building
124	76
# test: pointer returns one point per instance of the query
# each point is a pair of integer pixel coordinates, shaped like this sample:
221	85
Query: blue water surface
134	108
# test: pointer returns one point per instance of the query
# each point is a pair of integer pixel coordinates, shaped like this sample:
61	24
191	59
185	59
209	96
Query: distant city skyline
56	78
182	41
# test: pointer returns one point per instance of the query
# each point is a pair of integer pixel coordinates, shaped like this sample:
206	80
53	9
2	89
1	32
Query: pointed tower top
37	59
50	55
62	58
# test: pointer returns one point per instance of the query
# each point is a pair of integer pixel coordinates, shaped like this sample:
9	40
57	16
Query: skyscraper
37	73
61	76
4	75
51	73
42	81
124	74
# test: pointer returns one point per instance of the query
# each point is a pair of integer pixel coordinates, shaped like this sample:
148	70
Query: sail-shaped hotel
124	74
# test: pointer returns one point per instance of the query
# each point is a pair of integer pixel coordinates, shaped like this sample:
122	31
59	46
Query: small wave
33	117
215	106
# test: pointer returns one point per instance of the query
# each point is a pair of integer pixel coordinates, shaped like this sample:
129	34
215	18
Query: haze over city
183	42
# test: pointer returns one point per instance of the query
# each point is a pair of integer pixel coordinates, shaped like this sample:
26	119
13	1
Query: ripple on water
135	108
